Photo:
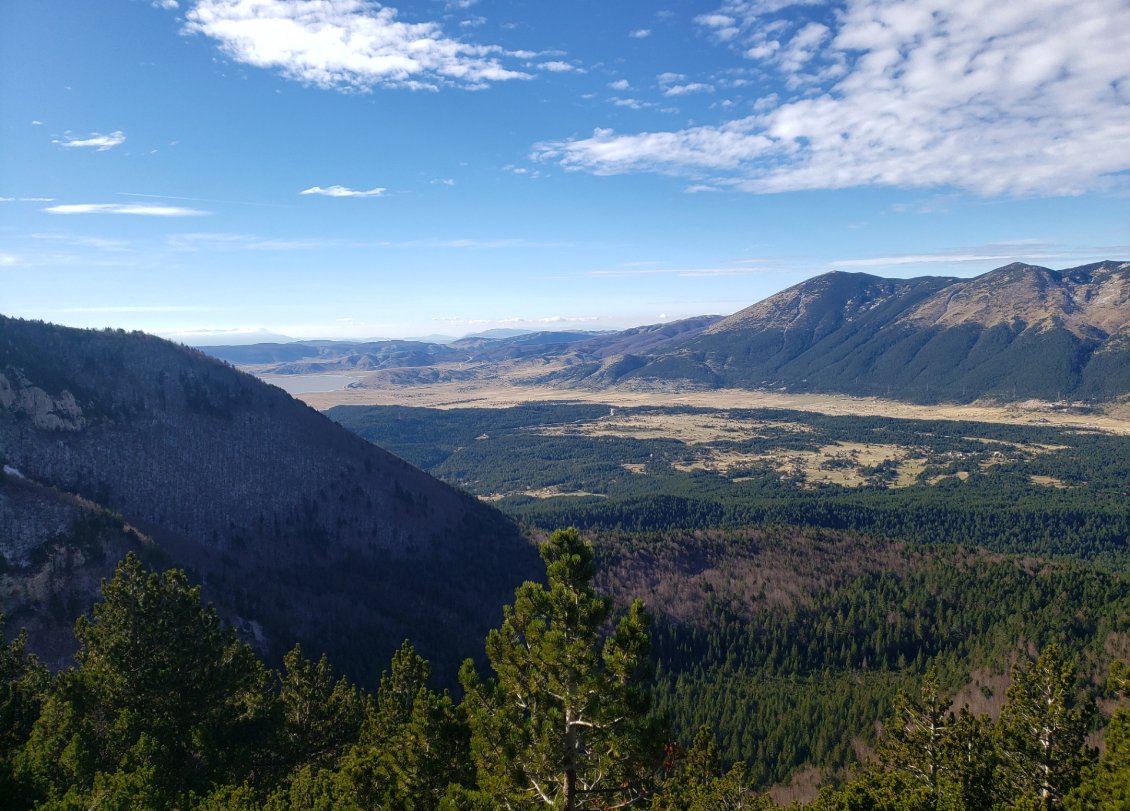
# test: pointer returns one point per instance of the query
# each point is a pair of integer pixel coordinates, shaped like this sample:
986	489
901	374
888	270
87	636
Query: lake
304	384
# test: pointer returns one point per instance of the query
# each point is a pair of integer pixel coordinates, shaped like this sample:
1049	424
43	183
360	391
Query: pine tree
320	716
1043	731
24	682
1108	786
916	737
415	733
698	783
970	761
164	701
412	747
565	722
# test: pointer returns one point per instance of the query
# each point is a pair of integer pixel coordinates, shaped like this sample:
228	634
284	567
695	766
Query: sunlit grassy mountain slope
1017	332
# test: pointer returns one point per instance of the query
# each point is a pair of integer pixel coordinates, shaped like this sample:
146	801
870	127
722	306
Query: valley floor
1112	418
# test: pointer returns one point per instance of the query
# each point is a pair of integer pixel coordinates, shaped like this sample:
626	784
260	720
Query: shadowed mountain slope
298	529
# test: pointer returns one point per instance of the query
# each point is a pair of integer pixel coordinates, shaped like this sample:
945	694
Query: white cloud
640	33
221	241
228	242
346	44
8	260
27	199
631	104
722	26
86	242
136	209
1006	251
169	5
556	66
95	140
715	20
566	319
620	84
126	308
685	272
996	98
342	191
729	147
690	87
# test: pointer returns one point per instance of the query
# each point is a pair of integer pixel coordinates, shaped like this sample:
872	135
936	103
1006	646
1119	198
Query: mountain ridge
1018	332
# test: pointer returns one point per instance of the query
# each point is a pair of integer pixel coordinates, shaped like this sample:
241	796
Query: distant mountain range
1018	332
297	528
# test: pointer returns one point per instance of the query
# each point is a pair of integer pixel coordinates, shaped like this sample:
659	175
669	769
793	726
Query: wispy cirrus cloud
925	259
126	308
454	320
221	241
1005	251
347	44
630	103
689	87
688	272
83	241
96	141
202	200
133	209
997	99
342	191
27	199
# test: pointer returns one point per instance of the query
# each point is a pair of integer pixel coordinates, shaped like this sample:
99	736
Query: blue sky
338	168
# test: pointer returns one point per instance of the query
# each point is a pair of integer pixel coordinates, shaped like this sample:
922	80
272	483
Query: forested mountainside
1014	333
298	529
1017	332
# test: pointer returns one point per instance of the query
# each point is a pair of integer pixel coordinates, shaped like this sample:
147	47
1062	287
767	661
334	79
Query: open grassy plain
1110	417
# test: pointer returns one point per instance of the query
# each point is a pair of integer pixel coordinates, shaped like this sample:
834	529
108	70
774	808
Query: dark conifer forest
166	708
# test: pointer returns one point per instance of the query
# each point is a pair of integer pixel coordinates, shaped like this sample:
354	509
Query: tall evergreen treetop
565	722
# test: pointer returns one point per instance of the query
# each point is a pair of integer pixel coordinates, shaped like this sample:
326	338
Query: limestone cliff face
1090	302
60	413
